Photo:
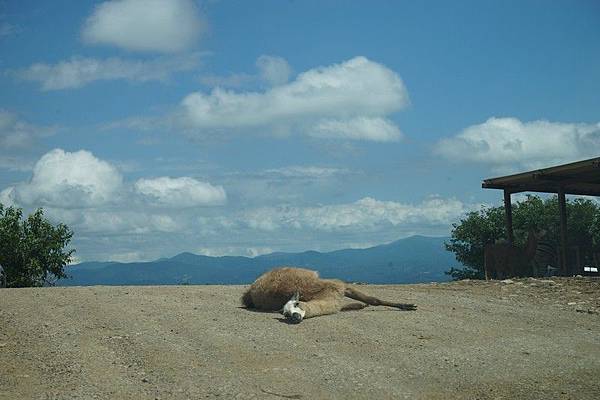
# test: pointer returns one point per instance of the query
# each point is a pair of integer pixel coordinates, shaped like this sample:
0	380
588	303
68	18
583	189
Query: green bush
32	250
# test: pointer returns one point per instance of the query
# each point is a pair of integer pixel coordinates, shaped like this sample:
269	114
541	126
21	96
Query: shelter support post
508	214
562	208
576	178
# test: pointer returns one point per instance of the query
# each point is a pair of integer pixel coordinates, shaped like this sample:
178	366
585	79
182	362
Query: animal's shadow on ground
287	321
255	310
291	322
280	319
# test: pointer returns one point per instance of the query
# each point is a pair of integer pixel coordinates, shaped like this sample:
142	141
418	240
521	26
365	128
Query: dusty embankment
530	339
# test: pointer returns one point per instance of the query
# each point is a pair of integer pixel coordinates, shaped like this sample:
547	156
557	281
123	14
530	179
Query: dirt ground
520	339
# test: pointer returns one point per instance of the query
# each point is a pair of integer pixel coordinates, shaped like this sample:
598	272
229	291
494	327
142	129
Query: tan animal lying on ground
299	293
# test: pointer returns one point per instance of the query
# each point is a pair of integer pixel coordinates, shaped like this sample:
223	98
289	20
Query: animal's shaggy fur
272	290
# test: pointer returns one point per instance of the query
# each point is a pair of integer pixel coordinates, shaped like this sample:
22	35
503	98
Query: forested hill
410	260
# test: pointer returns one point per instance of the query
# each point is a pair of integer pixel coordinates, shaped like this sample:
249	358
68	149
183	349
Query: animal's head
291	310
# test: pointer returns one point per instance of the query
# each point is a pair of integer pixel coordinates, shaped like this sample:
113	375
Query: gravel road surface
520	339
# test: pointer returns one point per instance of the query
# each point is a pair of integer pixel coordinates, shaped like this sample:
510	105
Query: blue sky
234	127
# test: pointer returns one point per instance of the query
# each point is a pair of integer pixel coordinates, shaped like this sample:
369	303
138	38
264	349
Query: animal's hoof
295	318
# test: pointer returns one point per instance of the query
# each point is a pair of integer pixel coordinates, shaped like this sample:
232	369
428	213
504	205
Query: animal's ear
296	296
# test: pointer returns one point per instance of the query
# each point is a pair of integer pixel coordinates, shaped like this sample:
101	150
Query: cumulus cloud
64	179
165	26
347	100
80	71
160	216
67	180
92	197
365	214
508	141
181	192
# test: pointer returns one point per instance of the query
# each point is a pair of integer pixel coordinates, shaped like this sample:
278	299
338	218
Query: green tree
595	231
32	250
478	228
469	238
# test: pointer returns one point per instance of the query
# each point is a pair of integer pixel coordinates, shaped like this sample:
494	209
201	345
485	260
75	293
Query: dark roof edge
508	179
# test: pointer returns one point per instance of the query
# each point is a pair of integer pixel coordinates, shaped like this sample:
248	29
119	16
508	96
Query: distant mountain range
410	260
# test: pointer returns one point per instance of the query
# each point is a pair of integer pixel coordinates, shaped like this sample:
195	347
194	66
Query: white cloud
64	179
115	220
234	251
7	196
510	142
181	192
111	216
357	93
80	71
375	129
362	215
165	26
15	133
273	70
126	222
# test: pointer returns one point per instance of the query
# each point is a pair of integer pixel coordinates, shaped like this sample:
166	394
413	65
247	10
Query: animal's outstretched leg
374	301
314	308
353	306
295	311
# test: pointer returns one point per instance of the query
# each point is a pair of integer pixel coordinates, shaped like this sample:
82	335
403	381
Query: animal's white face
291	310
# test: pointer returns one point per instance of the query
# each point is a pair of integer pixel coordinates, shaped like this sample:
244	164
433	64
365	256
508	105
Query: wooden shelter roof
581	177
